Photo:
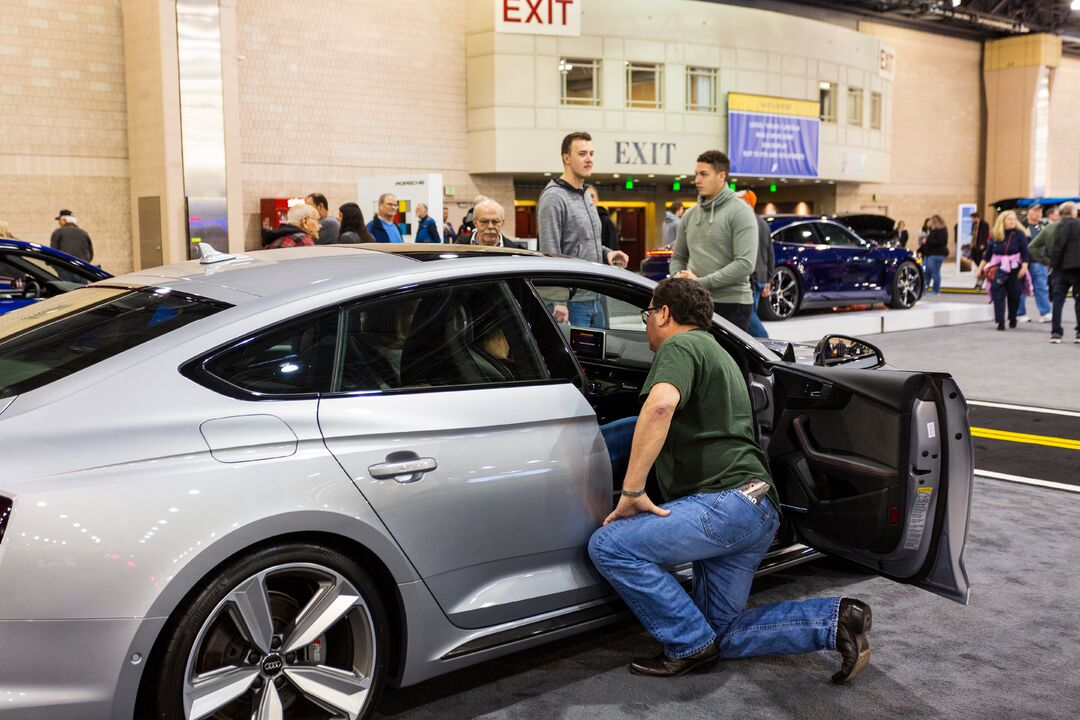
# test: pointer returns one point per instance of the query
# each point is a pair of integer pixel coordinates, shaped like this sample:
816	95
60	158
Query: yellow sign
773	105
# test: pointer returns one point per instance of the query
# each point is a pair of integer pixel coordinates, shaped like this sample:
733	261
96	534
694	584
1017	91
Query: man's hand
618	258
560	313
766	291
1023	271
629	507
686	274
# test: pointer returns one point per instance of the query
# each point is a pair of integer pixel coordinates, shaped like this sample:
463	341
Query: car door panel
499	529
875	467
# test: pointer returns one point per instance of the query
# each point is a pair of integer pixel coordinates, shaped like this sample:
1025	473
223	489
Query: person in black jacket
609	233
71	238
934	251
1065	270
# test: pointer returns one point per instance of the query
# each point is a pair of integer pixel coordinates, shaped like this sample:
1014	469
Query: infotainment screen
588	343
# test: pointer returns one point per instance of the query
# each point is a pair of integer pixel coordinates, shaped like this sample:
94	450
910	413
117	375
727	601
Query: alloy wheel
908	285
784	298
293	641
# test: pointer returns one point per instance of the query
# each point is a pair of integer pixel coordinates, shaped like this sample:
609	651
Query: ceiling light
956	3
1075	5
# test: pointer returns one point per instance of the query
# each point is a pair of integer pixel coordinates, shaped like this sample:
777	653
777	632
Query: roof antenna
209	255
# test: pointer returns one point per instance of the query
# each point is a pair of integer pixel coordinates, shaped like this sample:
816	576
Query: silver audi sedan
264	486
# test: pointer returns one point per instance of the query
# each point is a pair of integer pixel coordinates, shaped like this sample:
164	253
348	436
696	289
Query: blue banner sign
773	137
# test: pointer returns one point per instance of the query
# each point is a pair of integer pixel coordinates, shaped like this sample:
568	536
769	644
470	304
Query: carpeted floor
1013	653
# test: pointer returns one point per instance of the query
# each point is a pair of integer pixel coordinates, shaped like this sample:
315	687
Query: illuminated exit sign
538	17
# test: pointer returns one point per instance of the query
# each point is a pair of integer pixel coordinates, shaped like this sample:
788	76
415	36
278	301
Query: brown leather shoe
663	666
851	628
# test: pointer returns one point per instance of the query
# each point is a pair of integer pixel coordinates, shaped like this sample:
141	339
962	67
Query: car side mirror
833	350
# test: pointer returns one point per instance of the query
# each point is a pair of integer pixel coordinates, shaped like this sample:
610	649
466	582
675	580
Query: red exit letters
536	12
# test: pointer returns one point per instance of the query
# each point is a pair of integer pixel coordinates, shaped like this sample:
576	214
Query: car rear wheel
783	301
290	632
907	286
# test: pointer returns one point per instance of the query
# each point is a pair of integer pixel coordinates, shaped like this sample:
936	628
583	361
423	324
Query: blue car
821	263
30	272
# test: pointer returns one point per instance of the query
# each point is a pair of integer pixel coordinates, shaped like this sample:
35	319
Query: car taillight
5	513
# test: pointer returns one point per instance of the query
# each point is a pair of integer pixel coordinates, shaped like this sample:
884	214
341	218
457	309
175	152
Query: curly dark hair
719	161
687	301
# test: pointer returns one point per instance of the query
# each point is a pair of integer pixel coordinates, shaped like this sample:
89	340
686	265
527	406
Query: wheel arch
381	574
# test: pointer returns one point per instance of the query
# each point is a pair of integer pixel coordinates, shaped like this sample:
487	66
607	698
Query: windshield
50	340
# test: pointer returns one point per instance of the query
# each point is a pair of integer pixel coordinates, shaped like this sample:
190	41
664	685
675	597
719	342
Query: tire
906	286
290	631
786	295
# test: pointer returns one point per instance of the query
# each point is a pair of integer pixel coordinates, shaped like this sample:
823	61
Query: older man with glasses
489	217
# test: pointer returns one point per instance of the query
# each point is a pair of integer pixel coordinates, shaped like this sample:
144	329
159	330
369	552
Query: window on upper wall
827	92
875	110
854	106
580	80
644	85
700	89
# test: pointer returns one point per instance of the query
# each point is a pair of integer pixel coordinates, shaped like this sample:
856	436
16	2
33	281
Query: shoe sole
702	667
860	664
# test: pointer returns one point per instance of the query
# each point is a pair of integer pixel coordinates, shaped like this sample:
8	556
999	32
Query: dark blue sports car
30	272
821	263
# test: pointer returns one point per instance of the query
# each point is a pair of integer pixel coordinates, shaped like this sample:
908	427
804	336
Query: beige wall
332	91
937	123
1064	138
63	132
516	119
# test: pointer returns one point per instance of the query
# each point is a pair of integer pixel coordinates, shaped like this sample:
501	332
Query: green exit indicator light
629	183
676	186
772	187
732	186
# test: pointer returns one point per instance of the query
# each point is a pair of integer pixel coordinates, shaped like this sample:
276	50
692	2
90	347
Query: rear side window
293	359
50	340
801	234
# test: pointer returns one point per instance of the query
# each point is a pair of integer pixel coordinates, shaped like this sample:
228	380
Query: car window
801	234
459	335
293	359
837	236
54	338
46	269
595	307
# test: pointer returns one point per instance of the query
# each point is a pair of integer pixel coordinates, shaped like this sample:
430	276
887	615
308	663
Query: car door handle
403	467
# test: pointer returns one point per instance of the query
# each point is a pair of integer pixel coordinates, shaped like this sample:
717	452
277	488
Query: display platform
863	323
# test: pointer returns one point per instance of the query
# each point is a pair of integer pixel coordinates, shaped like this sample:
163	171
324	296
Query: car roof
294	271
25	246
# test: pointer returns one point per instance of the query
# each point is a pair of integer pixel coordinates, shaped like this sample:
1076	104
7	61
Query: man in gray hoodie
717	242
569	225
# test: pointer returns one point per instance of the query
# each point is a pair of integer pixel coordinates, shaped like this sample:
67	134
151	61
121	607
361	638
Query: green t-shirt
710	446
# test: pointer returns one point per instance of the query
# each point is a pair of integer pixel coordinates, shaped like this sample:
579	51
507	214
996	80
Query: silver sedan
265	486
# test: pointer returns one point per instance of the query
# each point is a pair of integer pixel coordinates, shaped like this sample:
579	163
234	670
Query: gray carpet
1013	653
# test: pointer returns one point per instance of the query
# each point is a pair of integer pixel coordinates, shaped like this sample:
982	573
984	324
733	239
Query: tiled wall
63	133
333	91
936	130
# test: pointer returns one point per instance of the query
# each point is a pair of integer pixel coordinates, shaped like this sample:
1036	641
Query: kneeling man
720	512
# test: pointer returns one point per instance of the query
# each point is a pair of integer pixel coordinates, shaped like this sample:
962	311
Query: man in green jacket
717	241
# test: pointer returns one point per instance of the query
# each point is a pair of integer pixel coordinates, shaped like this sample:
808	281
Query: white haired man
301	227
489	217
71	238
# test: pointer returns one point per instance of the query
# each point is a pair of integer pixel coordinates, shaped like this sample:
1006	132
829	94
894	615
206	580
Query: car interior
832	449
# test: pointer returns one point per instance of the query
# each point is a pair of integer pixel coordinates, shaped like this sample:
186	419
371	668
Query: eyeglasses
645	314
492	223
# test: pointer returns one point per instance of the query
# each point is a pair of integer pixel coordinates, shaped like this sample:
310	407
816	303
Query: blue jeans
1039	275
587	313
933	265
724	535
756	329
619	437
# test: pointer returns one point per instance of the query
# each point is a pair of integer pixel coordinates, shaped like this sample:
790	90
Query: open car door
875	466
